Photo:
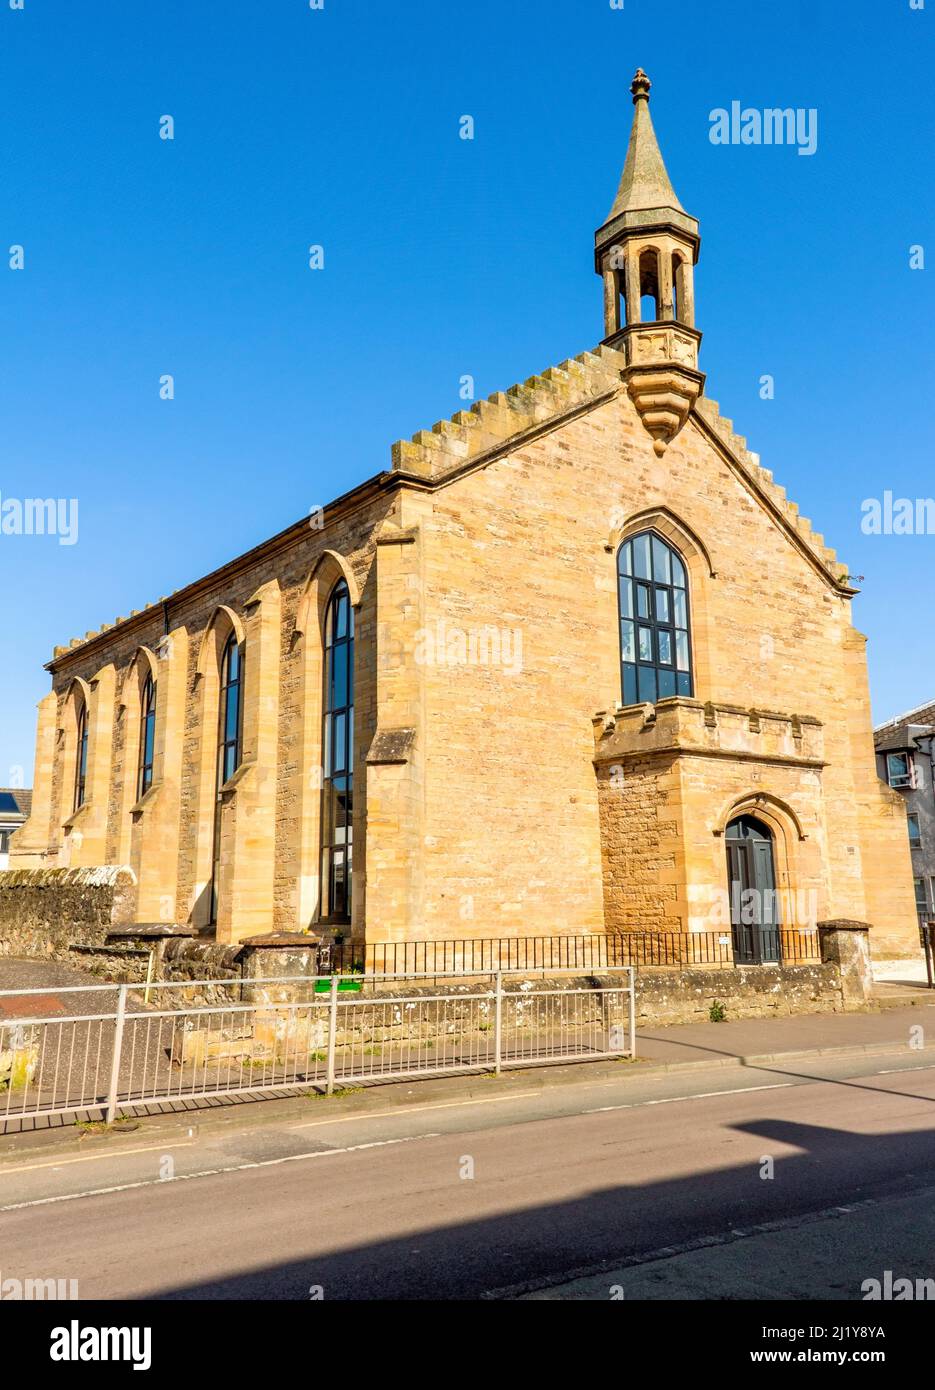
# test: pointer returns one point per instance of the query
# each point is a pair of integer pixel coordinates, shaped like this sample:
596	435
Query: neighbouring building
14	810
572	662
906	762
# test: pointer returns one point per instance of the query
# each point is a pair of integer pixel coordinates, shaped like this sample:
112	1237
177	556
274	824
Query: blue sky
443	257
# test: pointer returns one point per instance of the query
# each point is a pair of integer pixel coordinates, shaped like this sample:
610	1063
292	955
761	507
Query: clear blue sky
442	257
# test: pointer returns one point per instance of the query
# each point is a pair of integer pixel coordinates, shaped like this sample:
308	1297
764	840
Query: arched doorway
754	901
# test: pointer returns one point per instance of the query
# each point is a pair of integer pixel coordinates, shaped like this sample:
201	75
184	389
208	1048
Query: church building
572	663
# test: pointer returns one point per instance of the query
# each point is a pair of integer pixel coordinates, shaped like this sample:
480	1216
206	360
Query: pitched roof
898	738
919	714
15	803
492	427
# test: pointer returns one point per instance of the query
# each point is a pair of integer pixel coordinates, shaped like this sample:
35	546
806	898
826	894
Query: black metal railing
927	932
593	952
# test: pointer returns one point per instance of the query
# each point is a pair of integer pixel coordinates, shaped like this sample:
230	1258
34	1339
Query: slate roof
15	803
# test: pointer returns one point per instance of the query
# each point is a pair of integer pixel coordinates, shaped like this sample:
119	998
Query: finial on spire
640	86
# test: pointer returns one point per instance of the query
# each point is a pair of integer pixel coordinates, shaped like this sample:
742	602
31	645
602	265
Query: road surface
547	1191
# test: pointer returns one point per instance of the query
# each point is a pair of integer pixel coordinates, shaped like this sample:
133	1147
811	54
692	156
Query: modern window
81	757
230	744
4	841
230	721
922	905
655	639
915	833
899	769
147	737
337	807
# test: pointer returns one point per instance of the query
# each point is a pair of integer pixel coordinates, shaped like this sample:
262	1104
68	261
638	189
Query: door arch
754	900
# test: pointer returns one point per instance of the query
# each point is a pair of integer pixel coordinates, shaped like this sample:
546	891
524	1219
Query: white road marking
213	1172
740	1091
94	1158
702	1095
898	1071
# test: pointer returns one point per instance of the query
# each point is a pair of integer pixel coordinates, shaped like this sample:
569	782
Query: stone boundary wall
667	995
752	991
43	912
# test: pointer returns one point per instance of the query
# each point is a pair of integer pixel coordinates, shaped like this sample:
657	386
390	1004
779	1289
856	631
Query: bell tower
646	252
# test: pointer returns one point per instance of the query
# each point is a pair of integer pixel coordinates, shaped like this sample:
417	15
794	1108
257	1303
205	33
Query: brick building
573	662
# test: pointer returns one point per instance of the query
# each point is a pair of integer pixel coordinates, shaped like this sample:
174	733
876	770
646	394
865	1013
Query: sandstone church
573	663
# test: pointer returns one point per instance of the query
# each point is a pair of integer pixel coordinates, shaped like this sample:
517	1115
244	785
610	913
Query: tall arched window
230	742
230	713
147	737
337	804
81	756
655	643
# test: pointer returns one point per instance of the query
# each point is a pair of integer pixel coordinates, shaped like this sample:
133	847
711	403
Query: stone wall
45	911
758	991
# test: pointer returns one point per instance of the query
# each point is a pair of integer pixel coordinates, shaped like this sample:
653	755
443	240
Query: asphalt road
500	1194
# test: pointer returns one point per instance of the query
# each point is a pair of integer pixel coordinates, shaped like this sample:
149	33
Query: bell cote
645	252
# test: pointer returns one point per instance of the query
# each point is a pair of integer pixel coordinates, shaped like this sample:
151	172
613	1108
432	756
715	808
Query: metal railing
927	930
333	1033
592	952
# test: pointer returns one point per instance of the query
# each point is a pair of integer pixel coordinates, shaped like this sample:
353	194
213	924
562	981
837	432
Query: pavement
56	980
735	1040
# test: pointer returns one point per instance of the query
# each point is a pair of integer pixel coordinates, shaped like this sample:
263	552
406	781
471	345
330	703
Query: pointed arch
325	573
671	527
222	621
777	814
142	665
77	692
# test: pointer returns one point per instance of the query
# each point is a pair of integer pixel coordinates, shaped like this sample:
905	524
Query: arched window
147	737
649	286
337	804
230	713
655	644
230	742
81	756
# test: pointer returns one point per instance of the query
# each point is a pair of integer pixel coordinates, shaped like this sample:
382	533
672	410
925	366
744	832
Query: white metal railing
335	1030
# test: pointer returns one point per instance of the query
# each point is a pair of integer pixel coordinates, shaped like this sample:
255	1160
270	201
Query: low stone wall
43	912
753	991
185	961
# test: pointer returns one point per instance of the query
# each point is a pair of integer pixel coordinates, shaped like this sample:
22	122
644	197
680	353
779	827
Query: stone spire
644	182
645	253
